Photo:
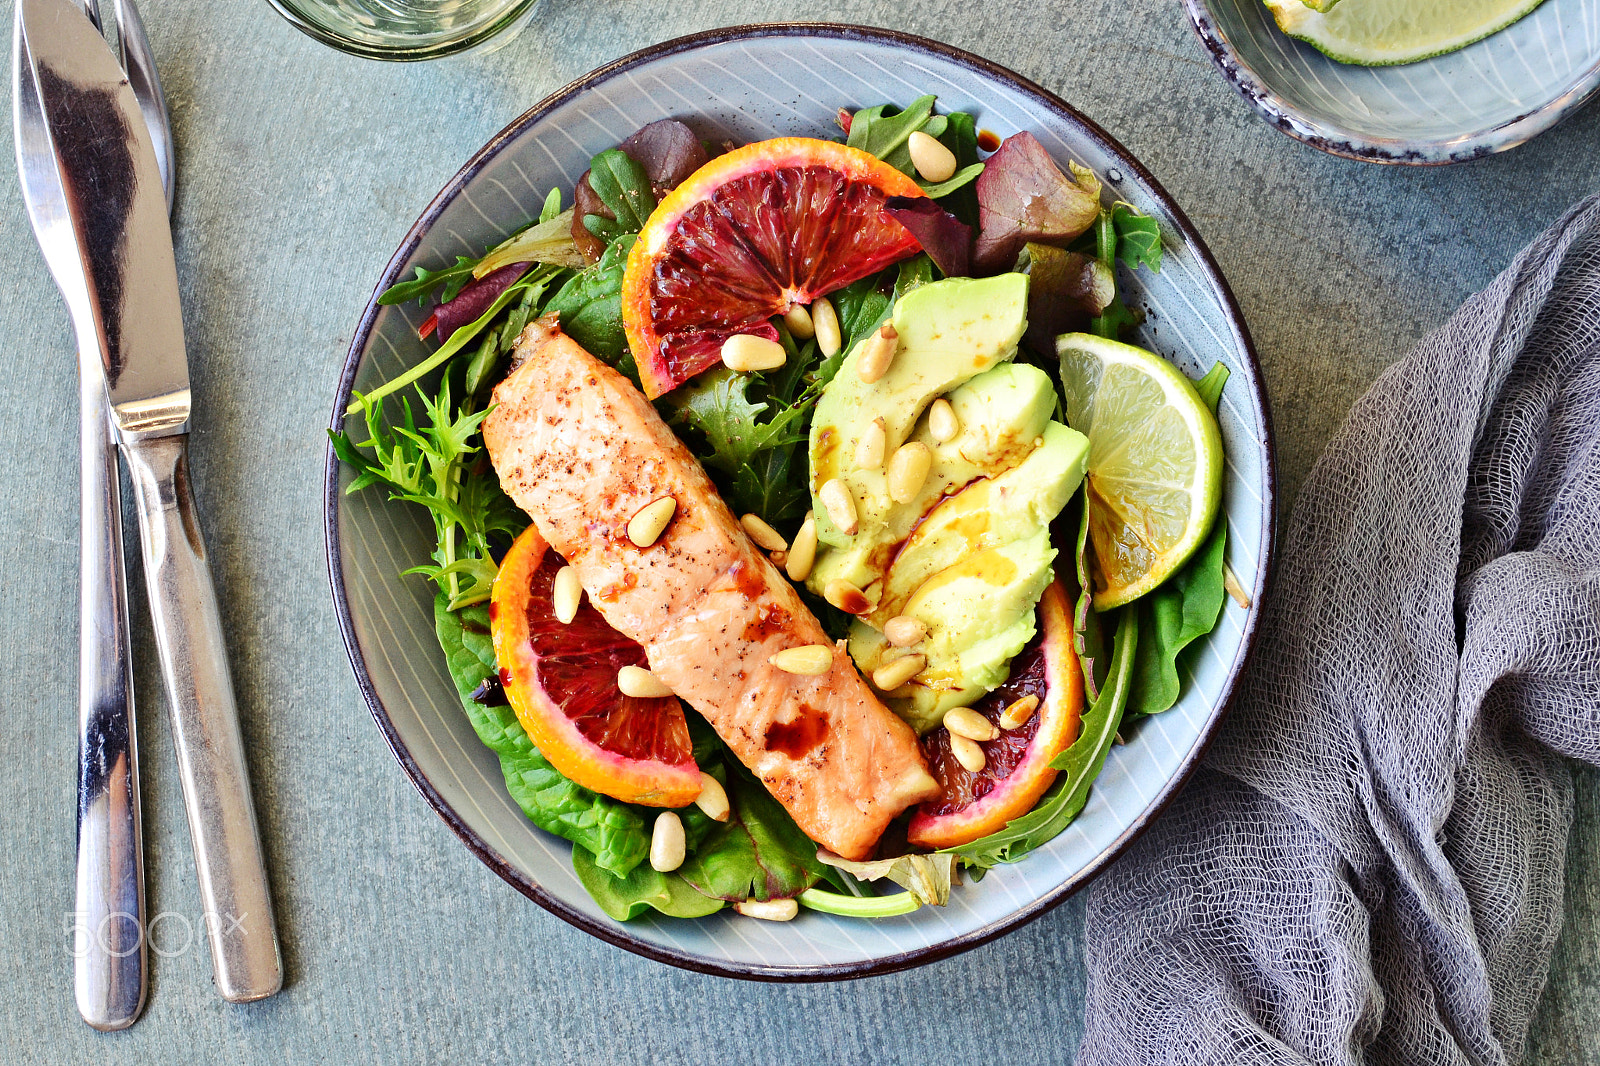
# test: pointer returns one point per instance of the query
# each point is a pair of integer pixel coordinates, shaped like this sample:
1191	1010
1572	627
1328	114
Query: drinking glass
403	29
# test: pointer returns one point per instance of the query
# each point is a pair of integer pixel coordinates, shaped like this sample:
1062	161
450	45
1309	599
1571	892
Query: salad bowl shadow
745	84
1488	97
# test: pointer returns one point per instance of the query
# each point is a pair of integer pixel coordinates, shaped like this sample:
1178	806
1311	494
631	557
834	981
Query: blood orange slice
1016	770
748	236
561	680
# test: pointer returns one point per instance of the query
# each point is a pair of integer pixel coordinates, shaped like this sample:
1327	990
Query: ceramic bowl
742	85
1485	98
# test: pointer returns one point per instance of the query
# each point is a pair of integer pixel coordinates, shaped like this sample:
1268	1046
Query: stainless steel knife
110	229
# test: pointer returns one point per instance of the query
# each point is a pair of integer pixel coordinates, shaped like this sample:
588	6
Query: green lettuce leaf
643	889
612	832
624	188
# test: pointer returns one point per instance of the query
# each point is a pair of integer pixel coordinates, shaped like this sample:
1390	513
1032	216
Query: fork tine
140	63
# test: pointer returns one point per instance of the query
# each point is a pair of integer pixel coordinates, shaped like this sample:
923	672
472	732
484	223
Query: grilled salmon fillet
579	448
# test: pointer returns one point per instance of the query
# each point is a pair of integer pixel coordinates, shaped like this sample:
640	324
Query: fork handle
205	726
109	919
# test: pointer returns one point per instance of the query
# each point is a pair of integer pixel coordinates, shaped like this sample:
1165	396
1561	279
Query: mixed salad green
749	430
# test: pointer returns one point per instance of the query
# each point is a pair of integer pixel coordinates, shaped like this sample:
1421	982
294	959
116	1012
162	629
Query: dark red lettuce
474	299
1023	196
946	239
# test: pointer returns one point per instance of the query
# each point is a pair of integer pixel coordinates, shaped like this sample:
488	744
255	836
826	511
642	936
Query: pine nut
746	351
764	535
966	722
646	527
798	319
803	552
667	846
967	753
870	448
845	596
908	470
942	422
877	352
640	683
826	323
1018	713
808	660
567	595
934	162
713	798
841	506
904	631
892	675
770	910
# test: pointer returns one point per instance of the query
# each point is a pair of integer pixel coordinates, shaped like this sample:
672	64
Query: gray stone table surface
300	169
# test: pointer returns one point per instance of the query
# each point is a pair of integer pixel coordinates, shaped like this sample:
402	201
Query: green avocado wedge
1381	33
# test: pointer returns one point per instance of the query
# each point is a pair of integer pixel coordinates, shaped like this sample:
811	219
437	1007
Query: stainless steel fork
109	978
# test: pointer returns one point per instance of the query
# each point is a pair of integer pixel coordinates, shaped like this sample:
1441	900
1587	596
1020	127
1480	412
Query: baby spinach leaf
1185	607
759	853
590	303
1138	237
623	187
612	832
642	889
1080	764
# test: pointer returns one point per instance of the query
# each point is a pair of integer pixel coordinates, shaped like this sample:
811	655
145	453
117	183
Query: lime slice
1155	462
1381	33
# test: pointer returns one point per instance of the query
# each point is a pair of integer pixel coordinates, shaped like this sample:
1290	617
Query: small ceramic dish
1485	98
743	85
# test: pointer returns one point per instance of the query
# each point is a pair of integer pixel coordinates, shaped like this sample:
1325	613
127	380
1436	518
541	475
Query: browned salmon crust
580	449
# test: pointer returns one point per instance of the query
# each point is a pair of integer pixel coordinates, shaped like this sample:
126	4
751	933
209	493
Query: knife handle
245	961
109	919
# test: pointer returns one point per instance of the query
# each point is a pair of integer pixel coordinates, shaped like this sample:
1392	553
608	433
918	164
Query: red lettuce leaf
1023	196
946	239
475	297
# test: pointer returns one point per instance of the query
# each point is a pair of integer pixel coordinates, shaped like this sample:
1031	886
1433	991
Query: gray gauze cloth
1368	867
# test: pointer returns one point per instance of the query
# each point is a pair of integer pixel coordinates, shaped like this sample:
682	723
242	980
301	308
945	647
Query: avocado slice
949	331
973	570
1002	413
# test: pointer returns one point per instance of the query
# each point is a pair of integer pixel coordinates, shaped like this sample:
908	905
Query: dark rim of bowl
616	933
1284	116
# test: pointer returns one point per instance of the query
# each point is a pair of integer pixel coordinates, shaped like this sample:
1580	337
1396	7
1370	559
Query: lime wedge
1155	462
1381	33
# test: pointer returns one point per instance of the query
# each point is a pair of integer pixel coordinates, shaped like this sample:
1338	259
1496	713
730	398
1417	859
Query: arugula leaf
612	832
590	305
540	277
1138	237
451	277
927	877
716	403
961	137
882	132
624	898
885	135
1080	764
624	188
1185	607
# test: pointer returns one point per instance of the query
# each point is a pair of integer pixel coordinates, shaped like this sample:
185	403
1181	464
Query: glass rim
292	13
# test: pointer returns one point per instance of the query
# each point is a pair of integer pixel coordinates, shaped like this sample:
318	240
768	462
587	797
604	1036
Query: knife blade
111	231
117	217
